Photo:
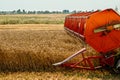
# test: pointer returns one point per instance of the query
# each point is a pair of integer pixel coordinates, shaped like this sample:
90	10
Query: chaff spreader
100	30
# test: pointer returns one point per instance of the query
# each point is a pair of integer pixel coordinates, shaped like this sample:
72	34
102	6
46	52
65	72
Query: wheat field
35	48
28	51
32	19
30	44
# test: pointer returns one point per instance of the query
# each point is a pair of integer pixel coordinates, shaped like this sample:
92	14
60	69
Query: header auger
100	30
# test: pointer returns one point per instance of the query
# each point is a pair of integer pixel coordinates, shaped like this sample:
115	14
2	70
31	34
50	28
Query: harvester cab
100	30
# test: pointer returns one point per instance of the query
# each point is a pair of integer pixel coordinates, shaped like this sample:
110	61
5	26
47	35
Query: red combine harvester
99	29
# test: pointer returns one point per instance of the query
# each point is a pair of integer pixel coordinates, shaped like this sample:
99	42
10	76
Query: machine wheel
117	67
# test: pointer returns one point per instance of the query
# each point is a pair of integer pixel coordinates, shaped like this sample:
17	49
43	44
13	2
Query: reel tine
99	30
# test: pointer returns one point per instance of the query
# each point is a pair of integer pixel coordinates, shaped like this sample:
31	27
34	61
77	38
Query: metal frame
103	59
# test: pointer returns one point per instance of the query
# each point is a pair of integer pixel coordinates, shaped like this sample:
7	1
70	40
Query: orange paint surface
86	22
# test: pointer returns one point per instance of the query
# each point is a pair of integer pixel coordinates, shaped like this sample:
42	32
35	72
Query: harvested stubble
24	49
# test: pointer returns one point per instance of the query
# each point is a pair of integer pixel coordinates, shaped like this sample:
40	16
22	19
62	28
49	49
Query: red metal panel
100	41
84	23
77	21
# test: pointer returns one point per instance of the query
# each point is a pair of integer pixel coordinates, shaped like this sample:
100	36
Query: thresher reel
100	30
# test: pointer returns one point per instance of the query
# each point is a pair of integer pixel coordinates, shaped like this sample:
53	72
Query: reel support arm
70	57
